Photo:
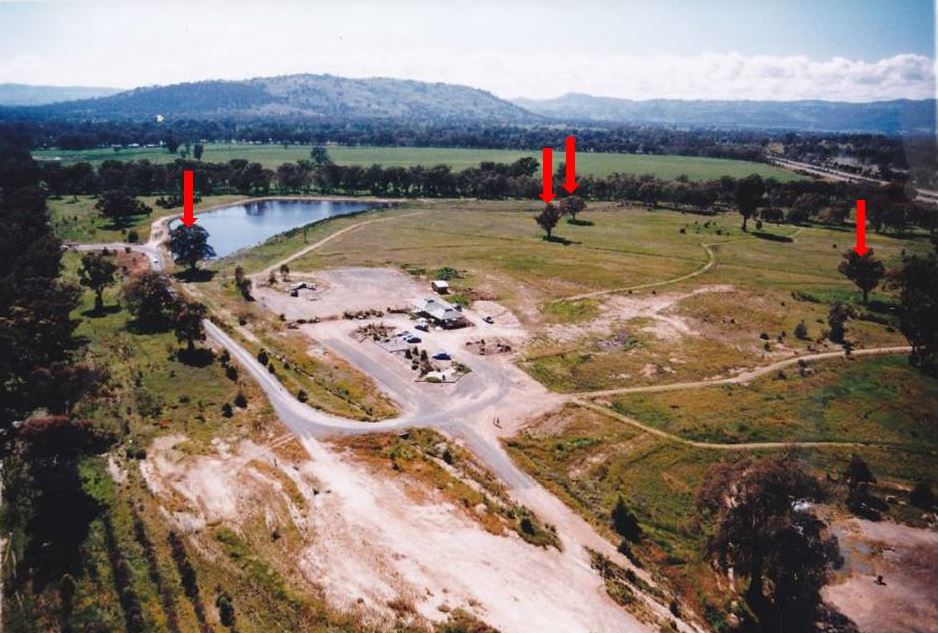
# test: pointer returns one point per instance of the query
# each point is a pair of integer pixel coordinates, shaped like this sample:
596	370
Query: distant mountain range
28	95
889	117
299	96
311	97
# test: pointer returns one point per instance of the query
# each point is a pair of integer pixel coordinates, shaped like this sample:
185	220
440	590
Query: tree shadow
199	275
560	240
139	326
772	237
576	222
97	314
198	357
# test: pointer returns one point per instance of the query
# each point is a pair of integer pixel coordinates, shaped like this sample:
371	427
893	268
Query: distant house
440	286
441	313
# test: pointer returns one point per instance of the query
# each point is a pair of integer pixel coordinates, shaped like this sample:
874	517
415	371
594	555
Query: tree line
770	200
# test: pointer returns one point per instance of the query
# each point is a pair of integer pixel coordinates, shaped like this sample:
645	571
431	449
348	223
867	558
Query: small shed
440	286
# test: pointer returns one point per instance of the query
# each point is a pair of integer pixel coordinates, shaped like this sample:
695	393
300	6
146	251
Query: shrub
133	237
240	401
801	331
225	609
262	357
226	410
231	372
302	396
624	522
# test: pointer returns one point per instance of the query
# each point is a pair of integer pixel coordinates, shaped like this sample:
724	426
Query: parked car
441	356
413	340
488	319
423	327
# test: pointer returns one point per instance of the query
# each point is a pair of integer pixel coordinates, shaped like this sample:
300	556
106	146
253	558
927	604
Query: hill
27	95
886	117
297	96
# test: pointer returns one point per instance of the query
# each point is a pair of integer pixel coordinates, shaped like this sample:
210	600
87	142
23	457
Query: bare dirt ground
367	541
341	290
906	557
620	309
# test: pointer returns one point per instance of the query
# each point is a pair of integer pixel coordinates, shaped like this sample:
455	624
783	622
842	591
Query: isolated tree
762	535
548	219
149	299
118	205
284	272
319	155
97	272
748	194
197	151
865	271
189	245
187	323
571	205
918	308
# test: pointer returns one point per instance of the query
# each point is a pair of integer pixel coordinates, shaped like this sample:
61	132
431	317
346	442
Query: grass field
599	164
747	319
880	400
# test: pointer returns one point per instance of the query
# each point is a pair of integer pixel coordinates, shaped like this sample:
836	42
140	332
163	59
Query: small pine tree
241	401
226	410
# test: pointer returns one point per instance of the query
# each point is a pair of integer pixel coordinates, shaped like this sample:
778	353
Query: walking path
747	376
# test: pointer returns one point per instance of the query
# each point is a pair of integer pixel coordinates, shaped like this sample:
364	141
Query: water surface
247	224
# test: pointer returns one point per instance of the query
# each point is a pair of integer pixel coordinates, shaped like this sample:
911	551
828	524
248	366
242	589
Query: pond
250	223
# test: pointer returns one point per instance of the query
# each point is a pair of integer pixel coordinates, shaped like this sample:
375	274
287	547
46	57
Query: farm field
599	164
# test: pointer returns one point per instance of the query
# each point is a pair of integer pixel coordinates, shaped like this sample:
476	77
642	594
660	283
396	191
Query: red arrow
187	210
569	182
860	248
548	163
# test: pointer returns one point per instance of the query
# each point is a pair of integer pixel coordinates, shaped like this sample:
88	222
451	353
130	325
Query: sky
850	50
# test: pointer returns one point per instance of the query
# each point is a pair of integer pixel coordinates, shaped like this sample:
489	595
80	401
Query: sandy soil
620	309
906	557
367	542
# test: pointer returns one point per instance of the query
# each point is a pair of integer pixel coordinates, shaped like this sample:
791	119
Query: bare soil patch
906	558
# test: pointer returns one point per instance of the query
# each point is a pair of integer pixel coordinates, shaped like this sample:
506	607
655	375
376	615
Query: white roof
440	283
438	309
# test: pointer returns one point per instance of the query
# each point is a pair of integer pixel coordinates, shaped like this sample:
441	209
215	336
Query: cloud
713	76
